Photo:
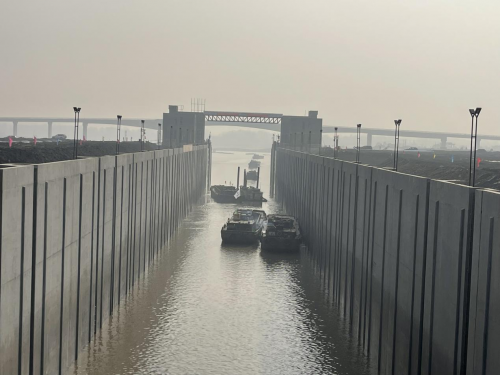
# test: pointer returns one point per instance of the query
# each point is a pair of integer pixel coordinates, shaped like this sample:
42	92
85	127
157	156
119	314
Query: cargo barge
281	233
223	193
245	226
243	194
252	175
254	164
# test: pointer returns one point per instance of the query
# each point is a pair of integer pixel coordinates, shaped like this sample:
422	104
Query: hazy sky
369	62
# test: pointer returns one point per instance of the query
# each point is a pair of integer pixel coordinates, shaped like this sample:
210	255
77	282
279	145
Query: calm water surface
208	308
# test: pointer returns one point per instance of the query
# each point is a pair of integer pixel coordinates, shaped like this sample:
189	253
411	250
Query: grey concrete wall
15	267
409	262
85	233
482	357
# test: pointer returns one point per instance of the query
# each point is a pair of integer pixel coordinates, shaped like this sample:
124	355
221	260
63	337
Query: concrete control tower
182	128
302	133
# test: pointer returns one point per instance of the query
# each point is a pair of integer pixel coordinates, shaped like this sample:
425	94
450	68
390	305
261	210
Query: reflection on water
209	308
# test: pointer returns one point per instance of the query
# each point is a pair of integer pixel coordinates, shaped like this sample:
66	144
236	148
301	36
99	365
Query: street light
75	133
473	134
335	143
118	133
142	135
159	135
396	144
358	142
320	140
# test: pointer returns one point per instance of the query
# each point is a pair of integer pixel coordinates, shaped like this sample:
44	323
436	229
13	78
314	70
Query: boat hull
235	236
222	197
279	244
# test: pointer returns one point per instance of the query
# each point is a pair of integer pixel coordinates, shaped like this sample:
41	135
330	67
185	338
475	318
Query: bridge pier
369	139
85	129
14	128
49	129
443	143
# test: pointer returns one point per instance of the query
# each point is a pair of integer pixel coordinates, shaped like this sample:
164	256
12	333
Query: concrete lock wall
409	262
76	237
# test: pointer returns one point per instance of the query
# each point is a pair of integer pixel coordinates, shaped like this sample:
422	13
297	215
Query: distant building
182	128
302	133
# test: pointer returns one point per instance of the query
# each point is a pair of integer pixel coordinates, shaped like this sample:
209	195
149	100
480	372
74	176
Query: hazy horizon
364	62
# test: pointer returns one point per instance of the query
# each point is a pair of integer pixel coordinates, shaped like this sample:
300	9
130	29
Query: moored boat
249	194
281	233
245	226
254	164
252	175
223	193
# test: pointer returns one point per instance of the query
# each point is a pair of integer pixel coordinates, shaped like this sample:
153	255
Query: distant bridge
408	133
264	121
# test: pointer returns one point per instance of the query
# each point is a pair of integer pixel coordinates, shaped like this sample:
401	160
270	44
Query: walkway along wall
411	263
76	236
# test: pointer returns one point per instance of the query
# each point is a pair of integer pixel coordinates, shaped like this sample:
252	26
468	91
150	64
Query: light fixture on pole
397	123
142	135
118	133
474	113
310	135
159	136
75	134
320	140
335	143
171	130
358	142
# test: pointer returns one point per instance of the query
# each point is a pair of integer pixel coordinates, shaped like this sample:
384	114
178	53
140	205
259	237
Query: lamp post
335	143
159	135
473	134
397	123
75	134
142	135
320	140
171	130
118	133
358	142
310	134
